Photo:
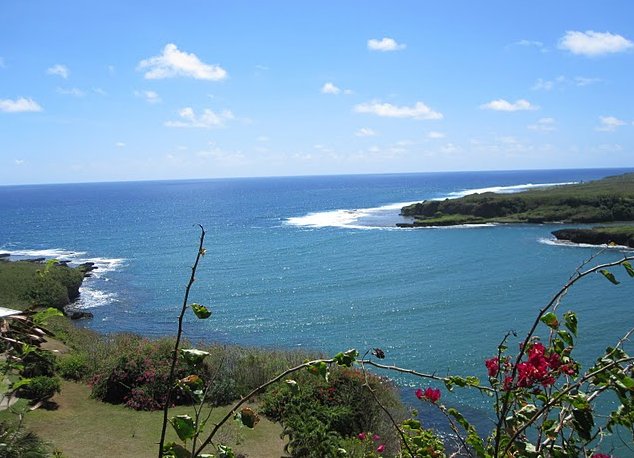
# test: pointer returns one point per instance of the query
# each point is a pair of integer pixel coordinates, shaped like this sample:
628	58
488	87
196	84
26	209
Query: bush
73	366
40	388
38	363
342	406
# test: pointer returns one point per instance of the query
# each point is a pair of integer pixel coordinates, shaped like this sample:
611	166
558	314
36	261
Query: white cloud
73	91
529	43
98	90
2	64
59	70
592	43
504	105
584	81
543	125
418	111
385	44
365	132
330	88
435	135
543	85
18	162
206	120
263	139
21	105
148	96
609	123
173	62
119	145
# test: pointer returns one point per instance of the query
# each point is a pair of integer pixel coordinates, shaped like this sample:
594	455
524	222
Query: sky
124	90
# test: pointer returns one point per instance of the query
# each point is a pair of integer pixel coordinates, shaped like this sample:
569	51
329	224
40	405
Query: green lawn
82	427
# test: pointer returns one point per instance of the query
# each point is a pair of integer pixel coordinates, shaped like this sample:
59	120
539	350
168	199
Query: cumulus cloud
330	88
20	105
592	43
172	63
206	120
59	70
365	132
385	44
418	111
148	96
505	105
609	123
543	125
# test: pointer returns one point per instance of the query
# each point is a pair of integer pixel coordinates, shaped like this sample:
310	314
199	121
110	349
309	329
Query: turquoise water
316	262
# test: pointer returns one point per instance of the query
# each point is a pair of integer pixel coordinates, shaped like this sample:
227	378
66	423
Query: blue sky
123	90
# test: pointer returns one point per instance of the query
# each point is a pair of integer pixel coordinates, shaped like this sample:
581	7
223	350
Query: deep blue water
315	262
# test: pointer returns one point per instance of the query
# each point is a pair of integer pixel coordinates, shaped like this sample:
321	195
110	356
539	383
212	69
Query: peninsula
607	200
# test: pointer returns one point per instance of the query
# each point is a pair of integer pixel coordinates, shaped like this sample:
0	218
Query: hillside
607	200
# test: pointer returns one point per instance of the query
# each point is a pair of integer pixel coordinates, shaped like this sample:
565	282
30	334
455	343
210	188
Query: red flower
508	383
431	394
361	436
376	437
601	455
381	447
493	366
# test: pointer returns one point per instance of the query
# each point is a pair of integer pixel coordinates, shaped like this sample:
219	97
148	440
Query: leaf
201	311
628	268
550	320
193	356
346	358
184	426
610	276
225	451
571	322
248	417
174	450
319	368
44	315
565	336
583	423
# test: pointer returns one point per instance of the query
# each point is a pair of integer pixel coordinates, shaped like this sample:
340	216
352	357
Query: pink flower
430	394
601	455
361	436
493	366
419	394
381	447
376	438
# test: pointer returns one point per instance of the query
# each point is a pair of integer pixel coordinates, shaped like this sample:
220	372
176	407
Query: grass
82	427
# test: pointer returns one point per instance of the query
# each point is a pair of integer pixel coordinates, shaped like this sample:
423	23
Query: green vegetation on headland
607	200
25	284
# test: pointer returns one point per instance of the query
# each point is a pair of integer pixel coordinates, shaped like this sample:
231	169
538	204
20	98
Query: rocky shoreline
623	235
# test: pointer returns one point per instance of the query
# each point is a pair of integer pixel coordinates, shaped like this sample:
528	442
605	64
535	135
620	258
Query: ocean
317	263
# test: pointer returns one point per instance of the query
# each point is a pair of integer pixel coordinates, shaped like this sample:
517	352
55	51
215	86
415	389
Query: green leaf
319	368
346	358
184	426
248	417
628	268
550	320
201	311
610	276
571	322
225	451
583	423
565	336
44	315
193	356
174	450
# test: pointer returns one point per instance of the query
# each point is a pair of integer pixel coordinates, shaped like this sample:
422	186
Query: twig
170	380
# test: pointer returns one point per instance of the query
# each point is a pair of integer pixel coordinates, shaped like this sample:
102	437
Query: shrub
40	388
73	366
38	363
